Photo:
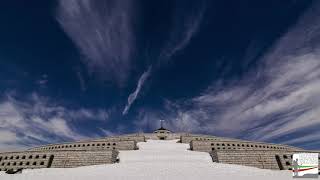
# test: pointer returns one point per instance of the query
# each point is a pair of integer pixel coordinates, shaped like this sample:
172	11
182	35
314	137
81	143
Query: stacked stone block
169	136
187	138
82	153
255	158
90	145
70	159
138	137
210	145
17	160
248	153
56	159
264	159
105	150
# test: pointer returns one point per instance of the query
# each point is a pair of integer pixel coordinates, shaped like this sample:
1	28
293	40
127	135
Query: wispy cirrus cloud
103	31
82	82
134	95
105	34
185	27
277	100
38	120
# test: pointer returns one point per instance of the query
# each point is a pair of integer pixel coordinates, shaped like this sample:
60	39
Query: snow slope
155	159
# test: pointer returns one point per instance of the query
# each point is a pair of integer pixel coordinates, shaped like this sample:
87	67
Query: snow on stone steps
157	151
155	160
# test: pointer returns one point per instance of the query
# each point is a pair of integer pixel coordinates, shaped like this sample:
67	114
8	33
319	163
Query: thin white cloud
103	31
134	95
81	81
89	114
38	120
278	99
311	138
107	132
184	28
7	137
42	81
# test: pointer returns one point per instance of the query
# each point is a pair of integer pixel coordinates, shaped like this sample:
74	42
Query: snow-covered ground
155	159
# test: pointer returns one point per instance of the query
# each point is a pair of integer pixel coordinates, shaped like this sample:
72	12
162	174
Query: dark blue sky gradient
38	57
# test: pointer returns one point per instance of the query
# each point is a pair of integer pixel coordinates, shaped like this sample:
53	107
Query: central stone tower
162	133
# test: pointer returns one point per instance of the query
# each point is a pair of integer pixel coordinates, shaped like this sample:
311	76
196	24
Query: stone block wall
16	160
168	136
208	146
90	145
70	159
151	136
138	137
123	142
187	138
173	136
254	158
57	159
264	159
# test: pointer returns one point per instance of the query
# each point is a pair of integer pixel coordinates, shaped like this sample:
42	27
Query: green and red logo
305	165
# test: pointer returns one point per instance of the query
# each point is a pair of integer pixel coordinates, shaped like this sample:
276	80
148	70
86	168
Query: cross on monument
161	123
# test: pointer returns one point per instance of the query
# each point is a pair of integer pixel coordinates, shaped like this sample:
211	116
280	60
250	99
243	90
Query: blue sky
78	69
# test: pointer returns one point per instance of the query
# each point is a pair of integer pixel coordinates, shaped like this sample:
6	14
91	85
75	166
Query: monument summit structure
106	150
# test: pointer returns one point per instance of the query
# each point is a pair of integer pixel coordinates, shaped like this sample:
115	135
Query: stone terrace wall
57	159
269	159
173	136
187	138
16	160
70	159
169	136
138	137
98	143
90	145
208	146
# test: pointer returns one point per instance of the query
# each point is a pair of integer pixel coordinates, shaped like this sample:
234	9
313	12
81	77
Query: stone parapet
187	138
264	159
210	145
90	145
56	159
